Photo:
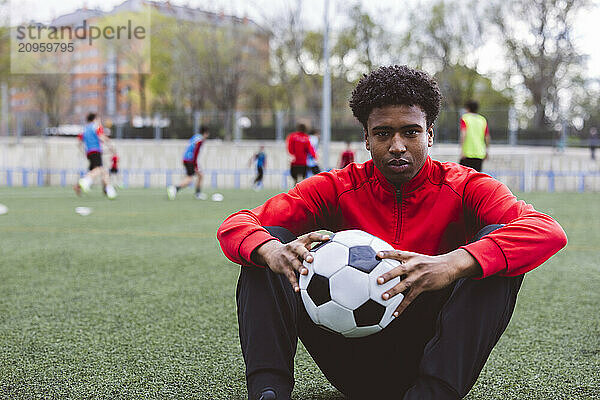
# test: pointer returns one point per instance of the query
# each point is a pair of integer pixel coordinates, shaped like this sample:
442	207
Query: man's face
399	141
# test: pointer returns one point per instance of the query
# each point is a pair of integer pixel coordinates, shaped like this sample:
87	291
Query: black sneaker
267	394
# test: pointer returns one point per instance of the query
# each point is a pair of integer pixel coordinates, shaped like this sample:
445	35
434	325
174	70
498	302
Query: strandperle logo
104	43
84	31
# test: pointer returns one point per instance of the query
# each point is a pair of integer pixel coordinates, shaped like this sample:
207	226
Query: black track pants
434	350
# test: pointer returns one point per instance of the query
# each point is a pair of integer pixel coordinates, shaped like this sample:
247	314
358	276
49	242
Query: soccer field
136	301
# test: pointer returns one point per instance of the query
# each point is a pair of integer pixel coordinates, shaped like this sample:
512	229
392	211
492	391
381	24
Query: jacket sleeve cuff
250	243
490	256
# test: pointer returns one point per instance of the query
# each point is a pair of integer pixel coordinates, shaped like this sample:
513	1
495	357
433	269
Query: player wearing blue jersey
261	162
190	162
90	142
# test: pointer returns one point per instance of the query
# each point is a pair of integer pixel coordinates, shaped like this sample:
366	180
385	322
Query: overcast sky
587	28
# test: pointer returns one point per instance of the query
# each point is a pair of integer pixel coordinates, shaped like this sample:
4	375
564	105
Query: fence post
157	130
126	178
582	182
4	109
119	128
284	180
19	127
40	177
9	180
197	117
213	179
551	181
513	126
63	178
528	173
236	179
146	179
25	182
522	181
279	125
237	129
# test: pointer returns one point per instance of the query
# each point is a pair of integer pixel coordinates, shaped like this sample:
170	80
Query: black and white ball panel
375	289
338	318
349	278
330	259
352	238
380	245
318	289
369	313
309	306
361	331
362	258
393	303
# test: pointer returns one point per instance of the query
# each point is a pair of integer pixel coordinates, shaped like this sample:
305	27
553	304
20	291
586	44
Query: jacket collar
409	186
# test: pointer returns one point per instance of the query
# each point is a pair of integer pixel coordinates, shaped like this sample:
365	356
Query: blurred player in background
90	142
474	137
299	147
114	169
314	137
594	141
347	156
261	162
190	162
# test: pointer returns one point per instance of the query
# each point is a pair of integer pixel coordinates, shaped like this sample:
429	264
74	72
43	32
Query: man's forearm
258	254
464	264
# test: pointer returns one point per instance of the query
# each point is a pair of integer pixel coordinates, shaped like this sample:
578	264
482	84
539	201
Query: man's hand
287	258
421	273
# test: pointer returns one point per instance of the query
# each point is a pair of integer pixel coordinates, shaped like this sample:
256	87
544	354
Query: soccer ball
217	197
83	211
3	209
340	291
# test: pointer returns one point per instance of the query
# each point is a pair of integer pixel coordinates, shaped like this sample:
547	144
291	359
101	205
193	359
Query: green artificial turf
136	301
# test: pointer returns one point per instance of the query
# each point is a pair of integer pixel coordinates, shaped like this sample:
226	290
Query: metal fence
275	125
537	180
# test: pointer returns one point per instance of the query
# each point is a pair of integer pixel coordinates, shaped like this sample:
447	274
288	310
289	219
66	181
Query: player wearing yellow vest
474	137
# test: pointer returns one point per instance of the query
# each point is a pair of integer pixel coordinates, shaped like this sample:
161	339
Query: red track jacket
438	211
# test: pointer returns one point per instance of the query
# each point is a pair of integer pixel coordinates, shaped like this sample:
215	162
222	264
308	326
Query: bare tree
224	67
446	40
288	33
538	37
51	94
51	89
361	45
189	53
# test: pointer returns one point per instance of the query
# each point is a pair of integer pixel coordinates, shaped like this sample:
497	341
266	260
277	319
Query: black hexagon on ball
318	289
363	258
369	313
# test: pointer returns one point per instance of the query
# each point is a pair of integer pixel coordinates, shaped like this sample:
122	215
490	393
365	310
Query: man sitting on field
464	242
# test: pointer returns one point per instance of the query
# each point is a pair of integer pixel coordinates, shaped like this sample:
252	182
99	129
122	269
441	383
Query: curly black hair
395	85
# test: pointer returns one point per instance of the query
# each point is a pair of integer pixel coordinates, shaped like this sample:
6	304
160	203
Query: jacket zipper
399	220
